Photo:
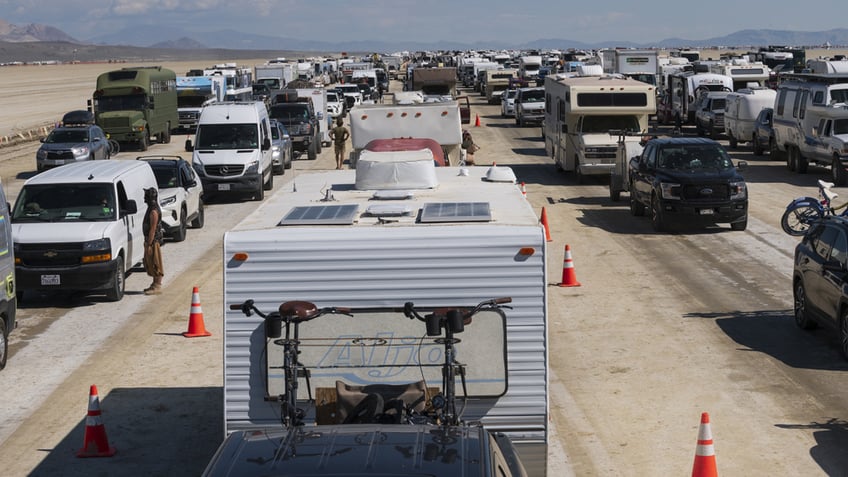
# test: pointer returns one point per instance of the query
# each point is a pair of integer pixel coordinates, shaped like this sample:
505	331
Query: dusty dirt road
664	327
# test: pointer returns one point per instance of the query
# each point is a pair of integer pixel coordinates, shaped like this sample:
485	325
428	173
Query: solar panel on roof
456	212
321	215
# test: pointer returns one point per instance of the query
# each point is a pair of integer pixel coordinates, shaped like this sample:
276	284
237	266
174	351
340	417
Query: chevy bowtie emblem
51	254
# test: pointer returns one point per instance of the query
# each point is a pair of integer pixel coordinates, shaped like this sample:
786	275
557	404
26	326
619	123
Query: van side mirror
266	144
565	128
188	146
130	207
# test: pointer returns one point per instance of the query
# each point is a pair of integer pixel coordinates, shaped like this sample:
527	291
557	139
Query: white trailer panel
385	262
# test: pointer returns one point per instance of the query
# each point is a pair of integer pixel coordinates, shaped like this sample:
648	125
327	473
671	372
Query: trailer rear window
612	99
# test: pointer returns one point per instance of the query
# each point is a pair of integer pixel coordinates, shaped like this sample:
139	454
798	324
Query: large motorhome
390	232
584	115
195	92
136	104
640	65
238	79
497	81
805	104
745	74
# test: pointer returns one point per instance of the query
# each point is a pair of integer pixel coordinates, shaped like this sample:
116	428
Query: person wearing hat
339	135
469	148
153	235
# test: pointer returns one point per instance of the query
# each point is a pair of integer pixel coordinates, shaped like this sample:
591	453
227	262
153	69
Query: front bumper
95	276
706	212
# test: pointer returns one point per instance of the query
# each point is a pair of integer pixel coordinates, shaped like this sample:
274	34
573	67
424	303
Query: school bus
136	104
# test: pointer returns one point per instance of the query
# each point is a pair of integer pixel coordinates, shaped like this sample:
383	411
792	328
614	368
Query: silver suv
77	139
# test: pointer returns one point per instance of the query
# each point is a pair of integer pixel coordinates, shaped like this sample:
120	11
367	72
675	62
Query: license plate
706	211
50	280
223	187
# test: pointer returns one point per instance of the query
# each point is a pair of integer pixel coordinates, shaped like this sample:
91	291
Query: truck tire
615	195
116	290
756	146
791	160
636	207
165	136
318	142
4	346
713	132
739	225
269	184
657	217
312	152
731	139
837	172
801	162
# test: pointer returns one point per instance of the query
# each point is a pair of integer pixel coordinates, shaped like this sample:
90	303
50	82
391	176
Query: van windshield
227	136
65	203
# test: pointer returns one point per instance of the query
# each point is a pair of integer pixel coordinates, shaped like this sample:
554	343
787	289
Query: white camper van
392	231
232	149
79	227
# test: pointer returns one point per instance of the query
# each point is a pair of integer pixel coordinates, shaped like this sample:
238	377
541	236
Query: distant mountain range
224	39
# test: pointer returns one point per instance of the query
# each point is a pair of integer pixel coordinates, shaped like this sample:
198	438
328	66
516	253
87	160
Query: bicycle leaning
282	327
802	212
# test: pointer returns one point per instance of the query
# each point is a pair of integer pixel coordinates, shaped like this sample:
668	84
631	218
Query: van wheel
732	140
657	218
116	291
180	234
801	162
269	184
4	343
198	221
837	172
260	194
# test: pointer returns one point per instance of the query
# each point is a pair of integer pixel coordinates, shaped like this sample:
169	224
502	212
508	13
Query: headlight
97	251
738	190
252	168
41	154
197	165
670	190
168	200
80	151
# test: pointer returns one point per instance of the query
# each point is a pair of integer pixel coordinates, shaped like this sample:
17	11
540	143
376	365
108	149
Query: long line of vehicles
400	197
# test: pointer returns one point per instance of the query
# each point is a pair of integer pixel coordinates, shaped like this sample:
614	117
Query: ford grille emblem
706	191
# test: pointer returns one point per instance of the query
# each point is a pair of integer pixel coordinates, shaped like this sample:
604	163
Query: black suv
820	278
688	180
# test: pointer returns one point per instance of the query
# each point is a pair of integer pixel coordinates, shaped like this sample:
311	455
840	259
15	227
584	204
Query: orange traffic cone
569	278
95	443
705	462
477	121
544	221
524	192
196	328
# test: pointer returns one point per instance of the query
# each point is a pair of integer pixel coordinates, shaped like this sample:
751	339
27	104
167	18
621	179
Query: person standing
469	147
339	135
153	235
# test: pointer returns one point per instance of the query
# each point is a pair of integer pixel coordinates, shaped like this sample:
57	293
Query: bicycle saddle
299	309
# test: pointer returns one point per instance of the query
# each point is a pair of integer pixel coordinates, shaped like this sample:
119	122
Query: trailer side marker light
390	114
444	113
240	256
403	115
526	251
364	117
417	115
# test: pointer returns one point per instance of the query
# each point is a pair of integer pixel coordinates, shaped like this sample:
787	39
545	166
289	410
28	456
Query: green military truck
133	105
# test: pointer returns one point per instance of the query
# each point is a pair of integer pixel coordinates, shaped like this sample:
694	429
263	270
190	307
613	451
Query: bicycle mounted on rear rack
282	328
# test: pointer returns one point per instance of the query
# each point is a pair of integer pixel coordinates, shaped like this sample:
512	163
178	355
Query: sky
465	21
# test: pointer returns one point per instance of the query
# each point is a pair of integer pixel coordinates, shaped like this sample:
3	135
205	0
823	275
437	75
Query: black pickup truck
298	115
687	180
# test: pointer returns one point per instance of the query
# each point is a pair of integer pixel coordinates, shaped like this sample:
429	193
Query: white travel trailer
741	110
745	74
584	116
640	65
528	67
388	233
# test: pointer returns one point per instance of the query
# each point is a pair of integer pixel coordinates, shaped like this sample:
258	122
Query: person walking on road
153	235
339	135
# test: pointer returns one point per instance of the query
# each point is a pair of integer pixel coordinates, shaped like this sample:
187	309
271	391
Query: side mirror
565	128
130	207
188	146
741	165
266	144
643	167
320	116
190	184
42	139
